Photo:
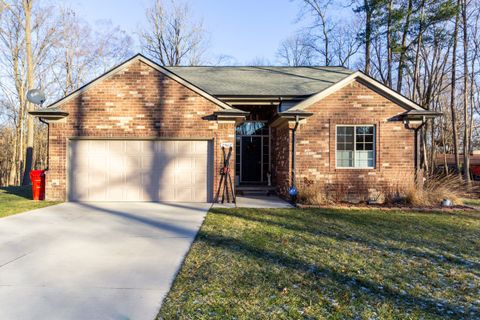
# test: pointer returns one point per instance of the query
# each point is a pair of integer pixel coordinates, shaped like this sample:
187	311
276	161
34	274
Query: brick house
143	132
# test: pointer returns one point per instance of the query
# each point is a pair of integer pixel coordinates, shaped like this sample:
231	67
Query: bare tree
417	51
389	42
33	45
27	11
81	53
223	60
474	61
14	91
466	122
320	41
453	92
258	62
403	46
331	41
345	44
296	51
429	86
26	35
172	37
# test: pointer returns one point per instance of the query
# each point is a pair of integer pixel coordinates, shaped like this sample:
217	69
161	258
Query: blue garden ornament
293	192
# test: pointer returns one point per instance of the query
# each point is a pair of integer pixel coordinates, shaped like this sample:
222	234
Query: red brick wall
354	104
138	102
281	157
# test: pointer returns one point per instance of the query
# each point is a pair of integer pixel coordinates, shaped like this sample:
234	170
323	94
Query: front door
252	152
251	159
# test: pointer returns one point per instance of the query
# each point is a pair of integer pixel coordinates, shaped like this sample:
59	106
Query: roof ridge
286	67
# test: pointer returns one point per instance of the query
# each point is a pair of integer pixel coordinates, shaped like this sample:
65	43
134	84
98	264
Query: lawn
330	264
18	199
472	202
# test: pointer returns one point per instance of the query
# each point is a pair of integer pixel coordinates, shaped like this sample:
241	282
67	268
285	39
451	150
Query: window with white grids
355	146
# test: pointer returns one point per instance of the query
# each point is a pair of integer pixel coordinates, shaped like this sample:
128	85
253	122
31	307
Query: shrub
312	192
436	188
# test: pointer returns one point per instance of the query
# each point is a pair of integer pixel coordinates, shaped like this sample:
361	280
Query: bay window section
355	146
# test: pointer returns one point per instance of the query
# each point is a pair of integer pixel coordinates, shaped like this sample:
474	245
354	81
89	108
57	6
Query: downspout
417	150
48	142
294	130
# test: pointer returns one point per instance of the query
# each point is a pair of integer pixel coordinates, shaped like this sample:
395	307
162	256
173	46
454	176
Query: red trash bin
475	170
38	184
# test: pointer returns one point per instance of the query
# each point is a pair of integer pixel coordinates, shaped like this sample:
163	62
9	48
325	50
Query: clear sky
243	29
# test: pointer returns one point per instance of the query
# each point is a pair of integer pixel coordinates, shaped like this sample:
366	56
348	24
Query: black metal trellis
226	185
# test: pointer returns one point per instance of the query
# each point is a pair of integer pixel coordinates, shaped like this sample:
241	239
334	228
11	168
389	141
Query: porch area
262	158
256	201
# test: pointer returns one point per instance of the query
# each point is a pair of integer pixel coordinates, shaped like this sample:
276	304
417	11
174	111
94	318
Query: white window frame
355	146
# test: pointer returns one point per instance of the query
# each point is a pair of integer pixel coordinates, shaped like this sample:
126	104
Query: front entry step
246	190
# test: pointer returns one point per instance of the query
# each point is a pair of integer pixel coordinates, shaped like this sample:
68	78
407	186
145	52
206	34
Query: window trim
355	146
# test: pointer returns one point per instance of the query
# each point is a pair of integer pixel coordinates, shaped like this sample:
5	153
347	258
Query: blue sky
243	29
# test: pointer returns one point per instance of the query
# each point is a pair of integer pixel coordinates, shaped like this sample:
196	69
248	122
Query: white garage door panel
131	170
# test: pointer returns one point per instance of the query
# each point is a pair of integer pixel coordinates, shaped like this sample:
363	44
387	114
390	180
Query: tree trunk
403	52
466	135
27	8
472	81
325	40
68	73
368	35
453	93
424	159
417	53
12	180
442	132
432	147
389	44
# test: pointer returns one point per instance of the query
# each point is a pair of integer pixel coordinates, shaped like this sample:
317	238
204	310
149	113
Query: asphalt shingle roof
262	81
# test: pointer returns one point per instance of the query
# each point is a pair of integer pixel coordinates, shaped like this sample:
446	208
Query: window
251	128
355	146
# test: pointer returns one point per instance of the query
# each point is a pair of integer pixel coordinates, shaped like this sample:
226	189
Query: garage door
139	170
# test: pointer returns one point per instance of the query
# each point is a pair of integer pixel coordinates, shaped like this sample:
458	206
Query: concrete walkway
250	201
93	260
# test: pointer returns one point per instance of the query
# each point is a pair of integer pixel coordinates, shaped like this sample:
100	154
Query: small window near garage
355	146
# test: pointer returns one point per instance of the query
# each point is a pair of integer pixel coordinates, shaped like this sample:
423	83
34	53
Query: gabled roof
262	81
372	83
138	57
311	84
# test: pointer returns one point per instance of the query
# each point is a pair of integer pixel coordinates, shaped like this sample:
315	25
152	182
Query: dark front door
251	159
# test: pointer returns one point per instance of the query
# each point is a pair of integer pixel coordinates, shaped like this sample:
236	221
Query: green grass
471	202
18	199
330	264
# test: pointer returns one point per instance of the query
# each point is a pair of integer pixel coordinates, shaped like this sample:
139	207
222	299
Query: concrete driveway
93	260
